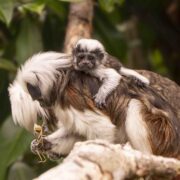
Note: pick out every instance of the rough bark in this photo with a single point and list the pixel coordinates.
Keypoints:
(100, 160)
(79, 23)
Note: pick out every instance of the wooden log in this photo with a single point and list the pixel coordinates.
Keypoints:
(99, 160)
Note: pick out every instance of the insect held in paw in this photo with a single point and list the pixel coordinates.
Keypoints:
(39, 134)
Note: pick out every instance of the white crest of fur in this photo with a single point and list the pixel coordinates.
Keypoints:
(40, 69)
(90, 44)
(24, 110)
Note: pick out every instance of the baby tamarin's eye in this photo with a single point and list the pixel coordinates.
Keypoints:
(90, 57)
(81, 56)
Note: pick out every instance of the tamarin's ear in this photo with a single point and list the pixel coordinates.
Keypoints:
(101, 55)
(34, 91)
(73, 51)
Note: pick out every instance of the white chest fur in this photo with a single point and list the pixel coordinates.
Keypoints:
(136, 127)
(91, 124)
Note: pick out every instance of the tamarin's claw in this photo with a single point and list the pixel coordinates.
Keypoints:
(100, 102)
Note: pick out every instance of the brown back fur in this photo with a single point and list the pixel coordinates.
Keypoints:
(161, 118)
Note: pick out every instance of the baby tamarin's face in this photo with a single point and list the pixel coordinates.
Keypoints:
(87, 54)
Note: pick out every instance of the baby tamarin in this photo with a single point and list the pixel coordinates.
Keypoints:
(89, 56)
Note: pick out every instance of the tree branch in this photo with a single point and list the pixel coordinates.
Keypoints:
(79, 23)
(100, 160)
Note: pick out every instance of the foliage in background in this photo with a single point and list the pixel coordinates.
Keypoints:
(133, 30)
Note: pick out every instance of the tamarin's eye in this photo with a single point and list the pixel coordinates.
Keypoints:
(81, 56)
(90, 57)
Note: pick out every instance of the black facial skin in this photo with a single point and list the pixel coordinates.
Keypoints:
(87, 60)
(35, 93)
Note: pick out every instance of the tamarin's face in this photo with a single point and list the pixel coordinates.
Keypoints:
(87, 55)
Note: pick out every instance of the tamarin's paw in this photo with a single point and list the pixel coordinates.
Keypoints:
(40, 146)
(100, 101)
(139, 83)
(45, 148)
(54, 156)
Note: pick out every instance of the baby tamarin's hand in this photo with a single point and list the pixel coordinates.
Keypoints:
(100, 101)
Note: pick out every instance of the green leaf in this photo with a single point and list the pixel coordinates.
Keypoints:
(2, 16)
(58, 8)
(14, 142)
(6, 10)
(7, 65)
(36, 6)
(71, 0)
(107, 33)
(21, 171)
(28, 41)
(157, 62)
(107, 5)
(120, 2)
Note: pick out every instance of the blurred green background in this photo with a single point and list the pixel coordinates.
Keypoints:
(143, 34)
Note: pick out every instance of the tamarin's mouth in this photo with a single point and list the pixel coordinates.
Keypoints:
(85, 65)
